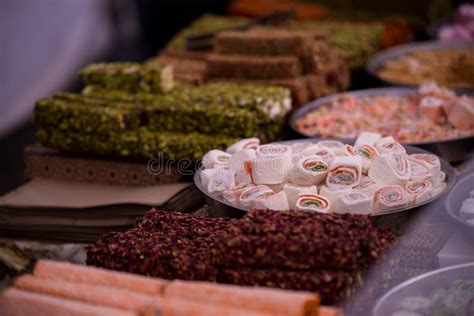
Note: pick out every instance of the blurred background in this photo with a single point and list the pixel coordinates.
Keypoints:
(43, 44)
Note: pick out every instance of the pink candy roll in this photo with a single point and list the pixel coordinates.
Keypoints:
(367, 186)
(368, 153)
(345, 172)
(390, 168)
(418, 171)
(246, 143)
(276, 202)
(391, 147)
(430, 161)
(336, 146)
(216, 159)
(313, 203)
(326, 154)
(248, 195)
(293, 191)
(392, 197)
(418, 191)
(355, 203)
(462, 114)
(432, 108)
(231, 196)
(308, 171)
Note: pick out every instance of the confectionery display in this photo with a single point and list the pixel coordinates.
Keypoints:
(374, 176)
(170, 179)
(432, 113)
(449, 67)
(265, 248)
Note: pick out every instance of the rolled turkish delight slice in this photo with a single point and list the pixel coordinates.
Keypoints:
(308, 171)
(384, 140)
(312, 203)
(326, 154)
(132, 77)
(333, 194)
(389, 198)
(293, 191)
(367, 138)
(355, 203)
(248, 196)
(368, 153)
(311, 150)
(272, 164)
(367, 186)
(430, 161)
(418, 191)
(216, 159)
(238, 160)
(231, 196)
(336, 146)
(248, 143)
(462, 114)
(276, 202)
(218, 180)
(391, 147)
(432, 108)
(390, 168)
(345, 171)
(418, 171)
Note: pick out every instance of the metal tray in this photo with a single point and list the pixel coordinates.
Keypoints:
(391, 219)
(423, 285)
(379, 59)
(454, 200)
(456, 149)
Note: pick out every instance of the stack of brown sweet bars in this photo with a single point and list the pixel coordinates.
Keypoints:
(299, 60)
(302, 61)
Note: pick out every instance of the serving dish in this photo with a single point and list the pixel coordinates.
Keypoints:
(378, 60)
(454, 200)
(422, 286)
(393, 219)
(456, 149)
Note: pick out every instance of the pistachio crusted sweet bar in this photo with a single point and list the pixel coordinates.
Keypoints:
(128, 76)
(141, 143)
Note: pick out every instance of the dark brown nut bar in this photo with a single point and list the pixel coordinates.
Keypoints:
(251, 67)
(263, 42)
(296, 240)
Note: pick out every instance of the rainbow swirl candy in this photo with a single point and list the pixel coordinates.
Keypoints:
(315, 165)
(313, 203)
(343, 175)
(366, 151)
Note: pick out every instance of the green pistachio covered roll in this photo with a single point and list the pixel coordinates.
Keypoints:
(131, 77)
